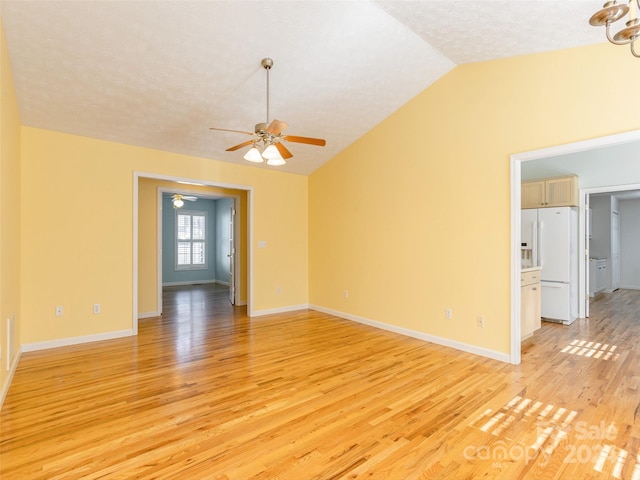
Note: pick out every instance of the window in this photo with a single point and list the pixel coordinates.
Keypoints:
(191, 240)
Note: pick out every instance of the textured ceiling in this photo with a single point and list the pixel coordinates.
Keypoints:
(159, 73)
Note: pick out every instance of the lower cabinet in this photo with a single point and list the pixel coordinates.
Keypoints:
(530, 303)
(597, 275)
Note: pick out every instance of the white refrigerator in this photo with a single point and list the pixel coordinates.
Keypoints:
(549, 239)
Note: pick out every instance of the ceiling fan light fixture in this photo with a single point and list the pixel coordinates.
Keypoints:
(276, 162)
(271, 152)
(177, 202)
(253, 155)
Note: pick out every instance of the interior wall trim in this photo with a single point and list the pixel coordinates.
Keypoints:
(271, 311)
(4, 389)
(65, 342)
(192, 282)
(445, 342)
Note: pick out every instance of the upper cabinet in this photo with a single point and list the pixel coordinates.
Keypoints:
(533, 194)
(550, 192)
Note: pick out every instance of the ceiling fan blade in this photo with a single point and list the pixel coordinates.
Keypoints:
(230, 130)
(191, 198)
(276, 127)
(243, 144)
(284, 153)
(311, 141)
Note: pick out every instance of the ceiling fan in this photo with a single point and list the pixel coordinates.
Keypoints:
(178, 199)
(269, 136)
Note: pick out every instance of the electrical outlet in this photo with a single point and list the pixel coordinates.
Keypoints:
(480, 322)
(96, 308)
(278, 290)
(59, 311)
(346, 294)
(448, 313)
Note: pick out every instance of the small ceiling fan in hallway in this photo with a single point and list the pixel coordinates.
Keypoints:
(178, 199)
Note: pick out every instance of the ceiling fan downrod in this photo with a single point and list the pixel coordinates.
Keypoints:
(267, 63)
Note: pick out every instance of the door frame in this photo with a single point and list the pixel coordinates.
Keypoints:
(137, 175)
(615, 270)
(586, 216)
(584, 193)
(234, 284)
(204, 195)
(516, 160)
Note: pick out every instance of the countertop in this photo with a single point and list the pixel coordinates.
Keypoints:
(530, 269)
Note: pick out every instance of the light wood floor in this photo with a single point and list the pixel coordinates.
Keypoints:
(206, 393)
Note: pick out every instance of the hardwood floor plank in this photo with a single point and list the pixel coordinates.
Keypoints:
(206, 392)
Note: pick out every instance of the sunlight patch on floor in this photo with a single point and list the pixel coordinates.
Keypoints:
(552, 428)
(617, 457)
(600, 351)
(549, 423)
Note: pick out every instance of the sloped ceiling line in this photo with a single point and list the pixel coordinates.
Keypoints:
(161, 78)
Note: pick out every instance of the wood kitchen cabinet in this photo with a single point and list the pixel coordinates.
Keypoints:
(550, 192)
(530, 303)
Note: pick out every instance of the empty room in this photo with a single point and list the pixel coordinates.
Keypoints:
(319, 239)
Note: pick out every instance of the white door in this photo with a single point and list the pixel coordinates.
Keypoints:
(554, 233)
(232, 255)
(615, 250)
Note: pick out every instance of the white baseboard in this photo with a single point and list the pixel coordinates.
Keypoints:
(65, 342)
(630, 287)
(465, 347)
(194, 282)
(188, 282)
(143, 315)
(270, 311)
(7, 382)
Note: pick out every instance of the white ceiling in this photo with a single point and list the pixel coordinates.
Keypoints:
(612, 165)
(615, 166)
(158, 74)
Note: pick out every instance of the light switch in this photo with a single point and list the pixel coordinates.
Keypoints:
(262, 244)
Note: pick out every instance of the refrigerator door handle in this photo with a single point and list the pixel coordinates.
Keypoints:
(538, 236)
(534, 240)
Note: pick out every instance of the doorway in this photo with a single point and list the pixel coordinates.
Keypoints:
(614, 215)
(147, 271)
(218, 254)
(585, 154)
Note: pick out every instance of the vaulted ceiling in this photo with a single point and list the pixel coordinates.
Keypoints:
(158, 74)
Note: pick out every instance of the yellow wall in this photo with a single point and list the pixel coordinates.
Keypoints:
(77, 225)
(147, 247)
(9, 210)
(411, 219)
(148, 238)
(414, 217)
